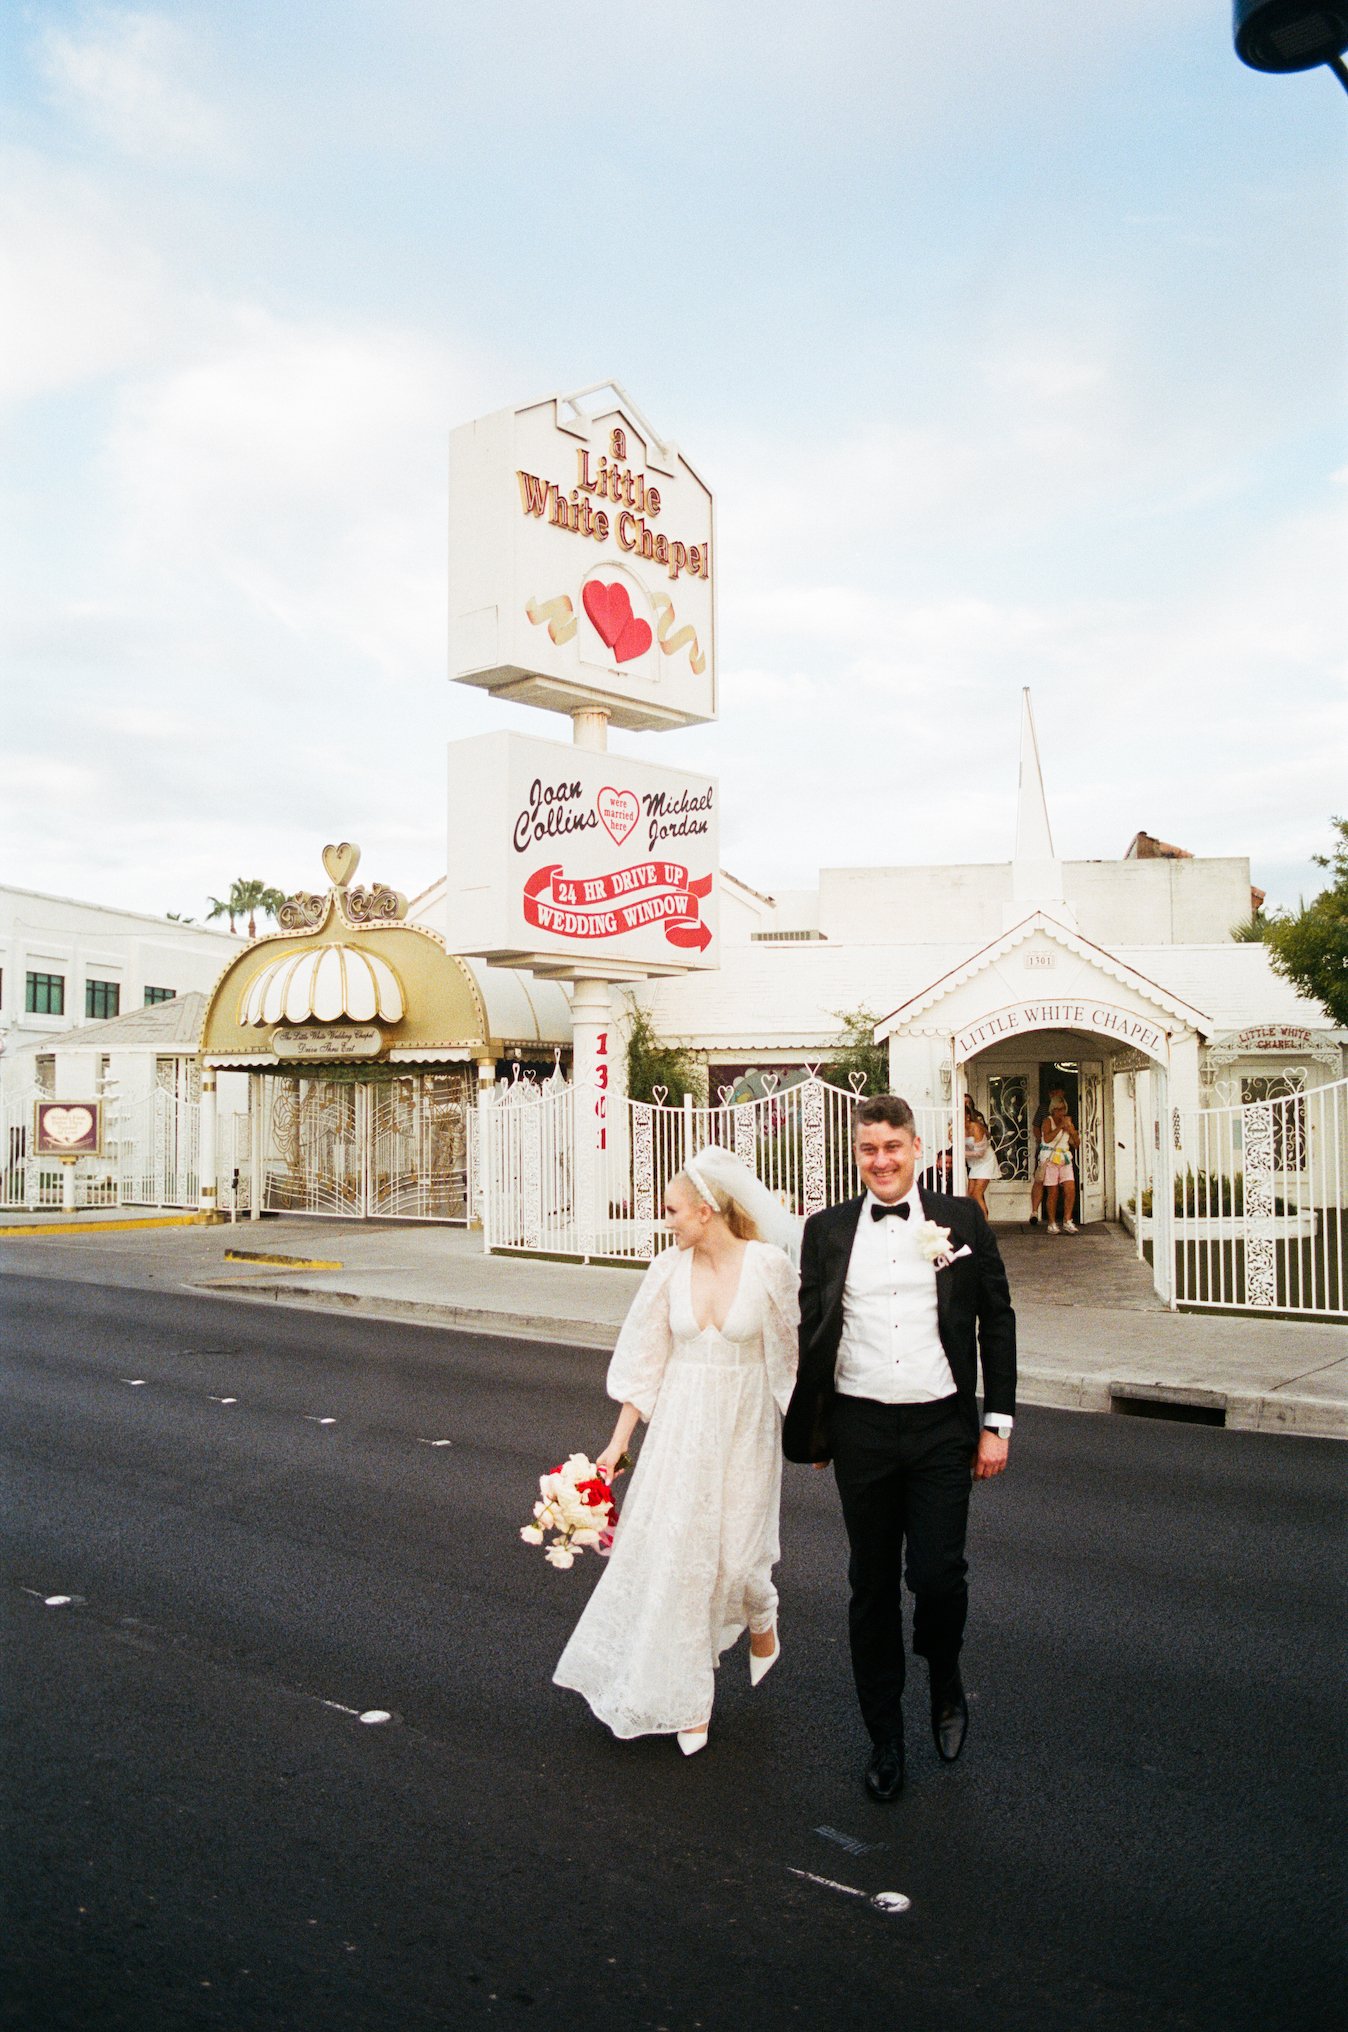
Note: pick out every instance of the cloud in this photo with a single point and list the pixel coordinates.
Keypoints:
(126, 74)
(298, 467)
(84, 297)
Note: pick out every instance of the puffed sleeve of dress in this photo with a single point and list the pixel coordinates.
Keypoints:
(781, 1321)
(638, 1364)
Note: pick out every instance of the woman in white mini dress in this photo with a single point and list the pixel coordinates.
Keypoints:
(707, 1356)
(980, 1159)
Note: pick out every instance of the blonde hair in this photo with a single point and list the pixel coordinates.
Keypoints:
(740, 1224)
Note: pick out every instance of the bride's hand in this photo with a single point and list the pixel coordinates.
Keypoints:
(608, 1462)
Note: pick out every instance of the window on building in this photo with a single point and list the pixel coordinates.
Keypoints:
(45, 1073)
(102, 998)
(153, 995)
(46, 995)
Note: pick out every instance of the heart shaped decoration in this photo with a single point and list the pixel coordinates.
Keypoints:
(771, 1081)
(618, 811)
(341, 863)
(856, 1080)
(610, 609)
(67, 1126)
(813, 1071)
(661, 1095)
(725, 1093)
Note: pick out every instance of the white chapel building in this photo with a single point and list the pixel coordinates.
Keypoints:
(1118, 980)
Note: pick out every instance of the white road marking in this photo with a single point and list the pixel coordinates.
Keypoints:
(373, 1716)
(883, 1901)
(134, 1382)
(848, 1841)
(435, 1442)
(224, 1400)
(310, 1418)
(338, 1708)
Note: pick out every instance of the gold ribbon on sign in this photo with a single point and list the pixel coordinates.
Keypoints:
(559, 614)
(671, 644)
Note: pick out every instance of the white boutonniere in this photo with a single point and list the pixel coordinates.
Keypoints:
(934, 1241)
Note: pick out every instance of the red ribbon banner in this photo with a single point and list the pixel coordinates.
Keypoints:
(608, 906)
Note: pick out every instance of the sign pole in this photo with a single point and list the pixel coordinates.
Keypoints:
(591, 1031)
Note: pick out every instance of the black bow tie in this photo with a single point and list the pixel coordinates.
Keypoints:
(879, 1210)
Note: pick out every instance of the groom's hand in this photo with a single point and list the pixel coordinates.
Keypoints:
(990, 1458)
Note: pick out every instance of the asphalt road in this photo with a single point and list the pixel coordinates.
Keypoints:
(1145, 1830)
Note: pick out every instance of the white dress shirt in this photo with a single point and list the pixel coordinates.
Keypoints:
(890, 1348)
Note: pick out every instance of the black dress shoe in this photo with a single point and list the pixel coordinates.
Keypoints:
(949, 1717)
(884, 1773)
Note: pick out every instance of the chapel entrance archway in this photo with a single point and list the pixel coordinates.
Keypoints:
(1011, 1084)
(1122, 1111)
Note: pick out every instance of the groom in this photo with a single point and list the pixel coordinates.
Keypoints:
(901, 1291)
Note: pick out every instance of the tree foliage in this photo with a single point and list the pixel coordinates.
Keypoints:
(860, 1053)
(1310, 948)
(652, 1064)
(246, 899)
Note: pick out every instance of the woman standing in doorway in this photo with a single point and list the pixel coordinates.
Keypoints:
(980, 1160)
(1058, 1143)
(707, 1355)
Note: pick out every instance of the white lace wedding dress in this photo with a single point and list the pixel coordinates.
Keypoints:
(697, 1537)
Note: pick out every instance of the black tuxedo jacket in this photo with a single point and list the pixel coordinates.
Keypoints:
(973, 1313)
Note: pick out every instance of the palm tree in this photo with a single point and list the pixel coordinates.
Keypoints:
(245, 899)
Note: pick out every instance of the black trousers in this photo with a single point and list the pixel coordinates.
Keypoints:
(904, 1474)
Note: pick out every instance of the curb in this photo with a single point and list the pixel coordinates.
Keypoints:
(577, 1333)
(1237, 1410)
(34, 1230)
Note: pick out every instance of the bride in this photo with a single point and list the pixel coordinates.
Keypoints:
(707, 1355)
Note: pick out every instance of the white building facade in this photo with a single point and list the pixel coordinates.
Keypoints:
(64, 963)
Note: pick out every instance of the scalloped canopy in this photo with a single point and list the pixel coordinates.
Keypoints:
(323, 985)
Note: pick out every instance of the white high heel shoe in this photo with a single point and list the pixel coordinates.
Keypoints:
(690, 1741)
(758, 1667)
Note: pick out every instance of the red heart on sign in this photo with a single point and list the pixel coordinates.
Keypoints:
(611, 612)
(619, 810)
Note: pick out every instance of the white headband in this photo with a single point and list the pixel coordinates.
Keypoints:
(690, 1170)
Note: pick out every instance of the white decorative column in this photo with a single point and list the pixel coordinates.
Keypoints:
(207, 1123)
(257, 1129)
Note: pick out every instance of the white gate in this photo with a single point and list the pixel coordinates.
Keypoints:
(149, 1156)
(535, 1196)
(27, 1181)
(389, 1150)
(1259, 1204)
(152, 1146)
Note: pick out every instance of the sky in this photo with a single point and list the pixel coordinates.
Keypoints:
(1011, 340)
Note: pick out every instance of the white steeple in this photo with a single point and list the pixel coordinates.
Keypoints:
(1036, 871)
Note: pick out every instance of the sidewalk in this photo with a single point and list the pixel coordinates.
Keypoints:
(1092, 1335)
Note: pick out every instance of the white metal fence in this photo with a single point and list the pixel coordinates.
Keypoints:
(542, 1189)
(1259, 1204)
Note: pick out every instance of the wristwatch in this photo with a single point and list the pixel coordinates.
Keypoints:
(1001, 1426)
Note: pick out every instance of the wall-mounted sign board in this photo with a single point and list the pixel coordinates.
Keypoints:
(582, 564)
(580, 864)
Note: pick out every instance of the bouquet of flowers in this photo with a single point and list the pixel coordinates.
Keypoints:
(576, 1505)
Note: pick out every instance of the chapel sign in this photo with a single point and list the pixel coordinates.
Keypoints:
(1131, 1030)
(573, 861)
(582, 562)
